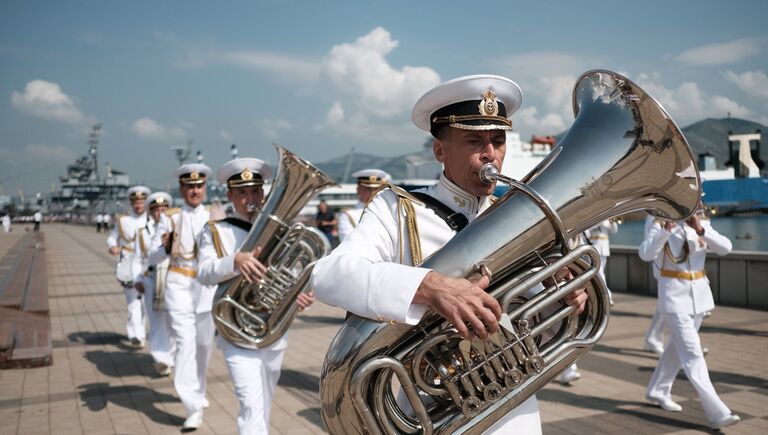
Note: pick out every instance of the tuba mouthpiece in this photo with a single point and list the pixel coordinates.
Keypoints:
(488, 173)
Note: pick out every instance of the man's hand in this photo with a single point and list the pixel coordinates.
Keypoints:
(247, 264)
(304, 300)
(167, 240)
(114, 250)
(461, 302)
(139, 286)
(695, 223)
(578, 297)
(668, 225)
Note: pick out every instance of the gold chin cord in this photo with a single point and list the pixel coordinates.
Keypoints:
(622, 154)
(255, 315)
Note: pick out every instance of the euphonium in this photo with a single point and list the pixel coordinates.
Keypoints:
(255, 315)
(622, 154)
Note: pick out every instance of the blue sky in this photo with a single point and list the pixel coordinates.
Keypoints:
(323, 77)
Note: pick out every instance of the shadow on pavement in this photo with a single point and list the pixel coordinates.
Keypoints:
(329, 320)
(120, 364)
(313, 416)
(619, 313)
(732, 331)
(89, 338)
(96, 396)
(636, 352)
(301, 380)
(650, 417)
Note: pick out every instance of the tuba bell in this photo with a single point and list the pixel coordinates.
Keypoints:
(255, 315)
(623, 153)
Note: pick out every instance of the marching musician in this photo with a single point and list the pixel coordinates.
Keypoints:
(146, 279)
(374, 273)
(253, 372)
(368, 180)
(121, 243)
(599, 237)
(679, 250)
(188, 302)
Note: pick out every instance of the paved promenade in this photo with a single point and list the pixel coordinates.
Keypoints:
(98, 385)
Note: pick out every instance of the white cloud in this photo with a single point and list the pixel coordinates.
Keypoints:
(724, 52)
(751, 82)
(148, 128)
(271, 128)
(47, 153)
(549, 123)
(36, 156)
(361, 72)
(335, 114)
(46, 100)
(688, 103)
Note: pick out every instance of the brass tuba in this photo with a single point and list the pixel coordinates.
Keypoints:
(622, 154)
(255, 315)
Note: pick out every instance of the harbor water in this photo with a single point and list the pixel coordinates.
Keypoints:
(746, 233)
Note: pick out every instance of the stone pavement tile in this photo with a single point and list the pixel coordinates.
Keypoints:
(108, 383)
(10, 420)
(747, 402)
(63, 417)
(33, 419)
(128, 425)
(749, 426)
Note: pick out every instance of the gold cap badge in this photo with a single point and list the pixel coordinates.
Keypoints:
(488, 105)
(194, 175)
(246, 174)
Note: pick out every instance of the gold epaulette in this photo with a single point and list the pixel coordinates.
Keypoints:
(120, 232)
(405, 204)
(216, 238)
(172, 211)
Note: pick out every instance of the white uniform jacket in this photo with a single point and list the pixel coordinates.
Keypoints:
(684, 286)
(599, 234)
(123, 235)
(371, 272)
(182, 290)
(142, 246)
(347, 220)
(219, 243)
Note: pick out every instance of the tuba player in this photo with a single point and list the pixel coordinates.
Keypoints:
(374, 272)
(253, 372)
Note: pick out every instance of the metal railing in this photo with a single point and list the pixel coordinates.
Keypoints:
(739, 279)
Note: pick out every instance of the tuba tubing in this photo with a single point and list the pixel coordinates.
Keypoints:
(622, 154)
(255, 315)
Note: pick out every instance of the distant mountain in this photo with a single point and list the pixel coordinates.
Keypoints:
(709, 135)
(336, 168)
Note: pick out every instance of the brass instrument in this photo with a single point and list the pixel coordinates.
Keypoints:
(161, 271)
(255, 315)
(622, 154)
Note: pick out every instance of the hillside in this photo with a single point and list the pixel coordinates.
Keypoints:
(709, 135)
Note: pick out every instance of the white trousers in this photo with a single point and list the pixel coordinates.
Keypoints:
(135, 324)
(684, 351)
(254, 374)
(603, 262)
(161, 344)
(654, 337)
(568, 371)
(193, 335)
